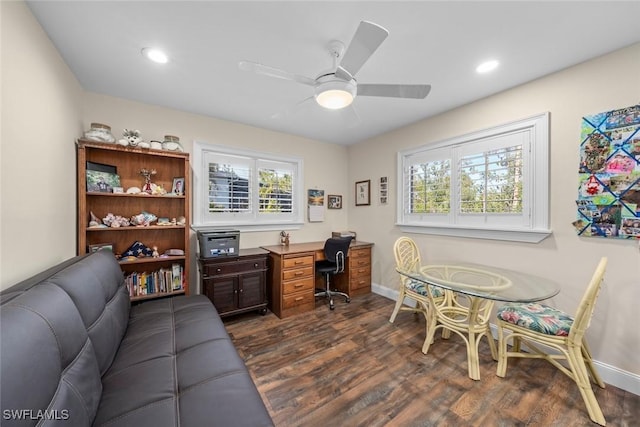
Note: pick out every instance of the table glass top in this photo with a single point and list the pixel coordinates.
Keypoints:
(484, 281)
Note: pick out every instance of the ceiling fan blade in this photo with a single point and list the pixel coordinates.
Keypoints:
(287, 112)
(367, 39)
(258, 68)
(394, 91)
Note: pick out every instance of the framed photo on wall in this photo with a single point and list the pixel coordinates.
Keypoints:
(335, 201)
(363, 193)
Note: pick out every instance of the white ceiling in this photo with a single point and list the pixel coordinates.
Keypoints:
(434, 42)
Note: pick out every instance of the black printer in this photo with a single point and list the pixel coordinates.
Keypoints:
(214, 243)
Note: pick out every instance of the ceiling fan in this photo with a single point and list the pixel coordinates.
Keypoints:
(338, 87)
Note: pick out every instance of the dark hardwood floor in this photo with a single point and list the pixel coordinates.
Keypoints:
(351, 367)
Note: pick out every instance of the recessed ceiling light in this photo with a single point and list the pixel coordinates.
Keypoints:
(155, 55)
(487, 66)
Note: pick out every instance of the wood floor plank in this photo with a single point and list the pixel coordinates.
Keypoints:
(351, 367)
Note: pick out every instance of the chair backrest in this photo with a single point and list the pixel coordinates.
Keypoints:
(336, 250)
(407, 254)
(582, 318)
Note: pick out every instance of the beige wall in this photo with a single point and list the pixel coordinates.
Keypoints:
(40, 118)
(609, 82)
(325, 165)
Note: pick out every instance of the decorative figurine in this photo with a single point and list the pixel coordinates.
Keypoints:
(147, 173)
(132, 138)
(155, 253)
(284, 238)
(95, 221)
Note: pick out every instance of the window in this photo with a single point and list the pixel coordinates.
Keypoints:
(489, 184)
(245, 189)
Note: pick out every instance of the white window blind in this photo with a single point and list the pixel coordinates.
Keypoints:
(246, 189)
(490, 184)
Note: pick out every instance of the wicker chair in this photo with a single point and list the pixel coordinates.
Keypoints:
(408, 258)
(535, 323)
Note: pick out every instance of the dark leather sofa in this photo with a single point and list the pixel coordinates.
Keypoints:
(74, 352)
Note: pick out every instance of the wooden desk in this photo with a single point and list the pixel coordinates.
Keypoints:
(292, 279)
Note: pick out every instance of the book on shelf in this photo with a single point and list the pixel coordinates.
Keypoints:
(164, 280)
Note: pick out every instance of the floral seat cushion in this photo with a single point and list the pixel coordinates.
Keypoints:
(420, 288)
(537, 317)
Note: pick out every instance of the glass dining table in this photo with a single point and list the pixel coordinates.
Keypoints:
(470, 291)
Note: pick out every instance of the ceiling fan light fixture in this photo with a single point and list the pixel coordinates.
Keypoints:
(335, 94)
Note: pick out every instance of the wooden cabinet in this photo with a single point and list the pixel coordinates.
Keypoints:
(359, 271)
(236, 284)
(294, 276)
(128, 162)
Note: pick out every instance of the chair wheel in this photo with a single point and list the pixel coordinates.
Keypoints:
(332, 307)
(348, 299)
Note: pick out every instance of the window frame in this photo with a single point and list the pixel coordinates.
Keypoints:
(535, 216)
(253, 221)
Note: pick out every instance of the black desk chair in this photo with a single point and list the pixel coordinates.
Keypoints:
(336, 250)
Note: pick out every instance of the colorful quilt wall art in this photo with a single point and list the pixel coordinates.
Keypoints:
(608, 200)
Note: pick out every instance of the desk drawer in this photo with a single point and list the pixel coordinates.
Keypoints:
(359, 271)
(298, 262)
(360, 253)
(293, 286)
(360, 282)
(299, 299)
(358, 263)
(234, 267)
(297, 273)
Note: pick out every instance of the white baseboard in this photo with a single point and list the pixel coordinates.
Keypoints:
(610, 374)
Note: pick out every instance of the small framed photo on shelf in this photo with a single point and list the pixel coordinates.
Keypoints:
(101, 182)
(178, 186)
(101, 246)
(363, 193)
(334, 201)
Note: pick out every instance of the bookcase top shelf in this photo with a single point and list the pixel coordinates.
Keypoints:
(83, 143)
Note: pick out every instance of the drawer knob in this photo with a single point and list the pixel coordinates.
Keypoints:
(299, 273)
(299, 298)
(255, 265)
(299, 262)
(218, 270)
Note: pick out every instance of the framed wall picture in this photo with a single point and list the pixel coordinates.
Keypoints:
(363, 193)
(383, 190)
(178, 186)
(335, 201)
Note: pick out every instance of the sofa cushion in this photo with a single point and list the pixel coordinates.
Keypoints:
(177, 366)
(96, 286)
(47, 359)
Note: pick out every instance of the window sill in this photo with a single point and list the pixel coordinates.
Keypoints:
(513, 235)
(248, 227)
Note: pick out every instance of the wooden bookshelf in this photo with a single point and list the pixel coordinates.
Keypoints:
(129, 161)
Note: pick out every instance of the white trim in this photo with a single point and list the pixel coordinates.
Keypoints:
(611, 375)
(516, 235)
(198, 165)
(535, 217)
